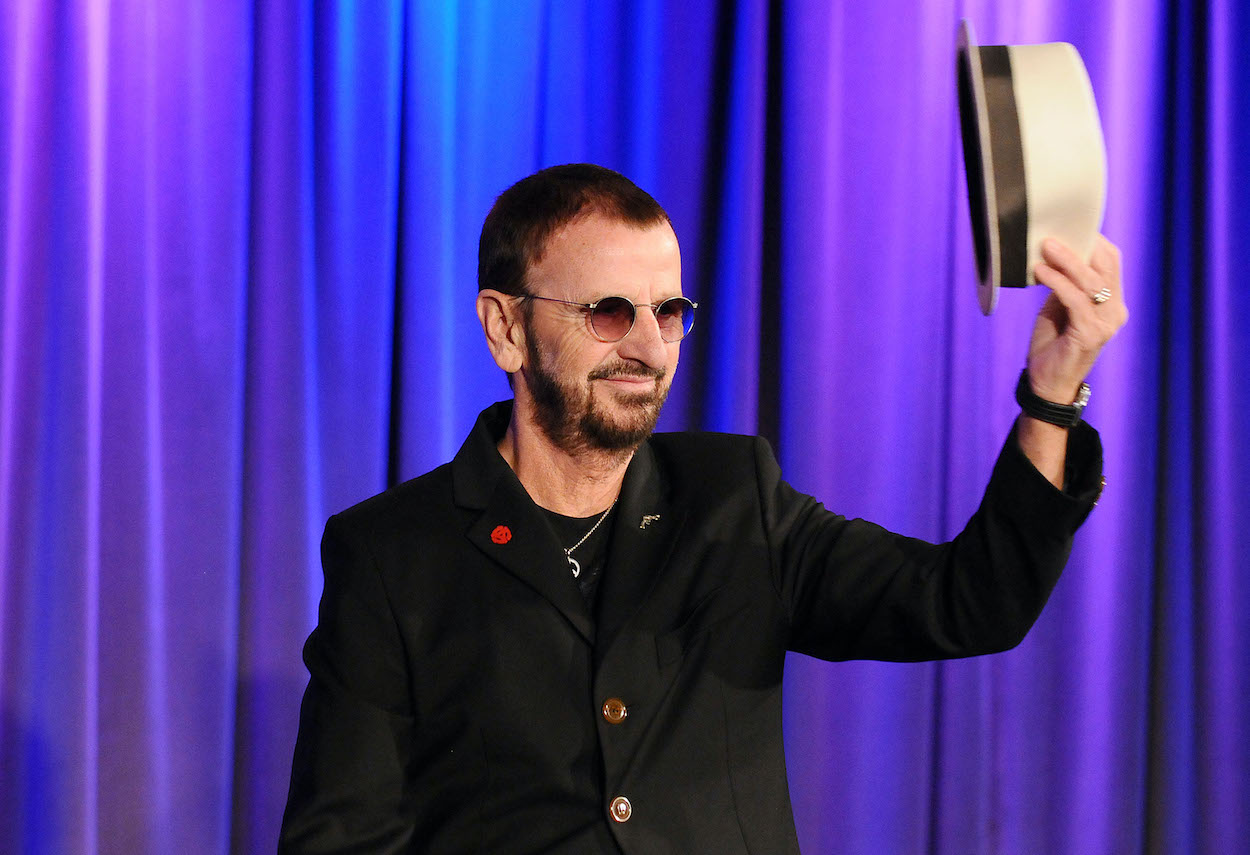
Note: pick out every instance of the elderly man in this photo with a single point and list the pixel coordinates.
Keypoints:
(571, 638)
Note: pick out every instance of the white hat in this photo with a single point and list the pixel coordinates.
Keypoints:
(1033, 153)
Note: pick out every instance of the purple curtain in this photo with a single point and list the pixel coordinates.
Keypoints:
(237, 259)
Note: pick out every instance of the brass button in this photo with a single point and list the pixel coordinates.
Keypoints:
(614, 710)
(621, 809)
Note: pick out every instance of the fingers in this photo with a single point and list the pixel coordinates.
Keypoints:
(1067, 291)
(1088, 277)
(1106, 259)
(1102, 273)
(1061, 273)
(1091, 293)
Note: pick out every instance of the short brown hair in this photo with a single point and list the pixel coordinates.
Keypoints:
(525, 215)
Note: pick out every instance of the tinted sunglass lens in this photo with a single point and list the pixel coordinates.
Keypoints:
(612, 318)
(675, 317)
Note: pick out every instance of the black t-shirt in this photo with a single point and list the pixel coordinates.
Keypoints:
(591, 555)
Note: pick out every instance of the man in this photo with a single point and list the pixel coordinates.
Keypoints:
(571, 638)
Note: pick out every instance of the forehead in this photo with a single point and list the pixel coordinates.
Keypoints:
(595, 252)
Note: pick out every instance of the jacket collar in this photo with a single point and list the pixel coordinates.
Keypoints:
(511, 530)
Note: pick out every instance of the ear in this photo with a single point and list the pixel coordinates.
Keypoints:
(500, 316)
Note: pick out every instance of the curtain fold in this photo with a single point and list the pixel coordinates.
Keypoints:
(238, 252)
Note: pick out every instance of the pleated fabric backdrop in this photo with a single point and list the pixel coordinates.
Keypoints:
(238, 247)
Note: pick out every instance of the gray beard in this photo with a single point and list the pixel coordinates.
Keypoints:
(578, 425)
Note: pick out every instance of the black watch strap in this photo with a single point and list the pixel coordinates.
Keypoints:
(1064, 415)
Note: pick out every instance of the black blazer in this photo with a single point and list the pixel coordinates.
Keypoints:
(459, 684)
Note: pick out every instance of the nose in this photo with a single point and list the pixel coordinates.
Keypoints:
(644, 343)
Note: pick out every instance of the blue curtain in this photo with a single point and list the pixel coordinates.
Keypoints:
(238, 248)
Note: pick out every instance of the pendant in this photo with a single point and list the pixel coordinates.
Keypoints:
(573, 565)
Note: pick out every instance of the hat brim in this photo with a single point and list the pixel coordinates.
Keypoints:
(974, 124)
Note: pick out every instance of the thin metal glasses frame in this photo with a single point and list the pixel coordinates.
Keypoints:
(654, 307)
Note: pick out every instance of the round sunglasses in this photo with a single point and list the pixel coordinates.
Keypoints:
(612, 318)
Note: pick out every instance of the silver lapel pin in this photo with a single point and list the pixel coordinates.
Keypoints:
(648, 519)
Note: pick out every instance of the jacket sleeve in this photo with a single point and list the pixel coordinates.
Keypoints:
(348, 783)
(856, 591)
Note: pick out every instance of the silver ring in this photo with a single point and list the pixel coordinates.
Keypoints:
(1100, 296)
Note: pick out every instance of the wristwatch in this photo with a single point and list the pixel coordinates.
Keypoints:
(1064, 415)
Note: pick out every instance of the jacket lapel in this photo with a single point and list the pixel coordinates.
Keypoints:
(511, 530)
(647, 527)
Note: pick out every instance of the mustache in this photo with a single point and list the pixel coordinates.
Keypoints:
(627, 369)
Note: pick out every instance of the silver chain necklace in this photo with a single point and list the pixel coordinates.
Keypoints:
(568, 553)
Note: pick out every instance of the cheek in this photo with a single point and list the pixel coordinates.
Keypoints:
(573, 358)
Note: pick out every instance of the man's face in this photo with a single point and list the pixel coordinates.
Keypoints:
(589, 394)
